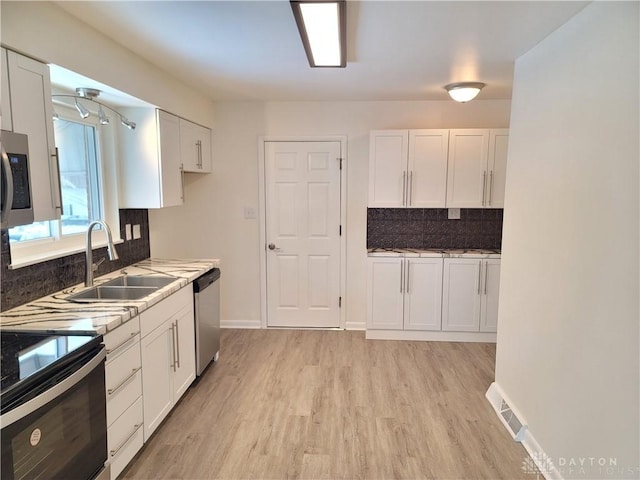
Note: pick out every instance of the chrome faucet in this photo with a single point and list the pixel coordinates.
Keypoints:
(90, 267)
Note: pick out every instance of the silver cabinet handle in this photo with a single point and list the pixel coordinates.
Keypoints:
(177, 345)
(408, 284)
(484, 186)
(136, 427)
(490, 187)
(173, 347)
(479, 278)
(182, 182)
(59, 199)
(410, 202)
(486, 273)
(401, 274)
(112, 391)
(122, 343)
(199, 153)
(404, 188)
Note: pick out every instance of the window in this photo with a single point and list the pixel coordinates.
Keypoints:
(84, 190)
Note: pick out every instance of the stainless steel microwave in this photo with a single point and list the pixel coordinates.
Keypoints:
(16, 198)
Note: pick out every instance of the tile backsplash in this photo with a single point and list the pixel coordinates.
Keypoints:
(430, 228)
(34, 281)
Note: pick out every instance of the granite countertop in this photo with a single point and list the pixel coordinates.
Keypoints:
(56, 313)
(434, 252)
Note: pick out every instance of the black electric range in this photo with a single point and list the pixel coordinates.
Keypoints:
(31, 360)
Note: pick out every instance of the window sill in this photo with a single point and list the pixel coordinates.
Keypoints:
(26, 260)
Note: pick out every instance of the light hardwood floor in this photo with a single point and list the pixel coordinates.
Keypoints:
(332, 405)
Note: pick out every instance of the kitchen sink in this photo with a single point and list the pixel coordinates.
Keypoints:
(112, 294)
(139, 281)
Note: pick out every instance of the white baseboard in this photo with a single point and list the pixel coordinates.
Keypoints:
(537, 455)
(240, 324)
(355, 326)
(432, 336)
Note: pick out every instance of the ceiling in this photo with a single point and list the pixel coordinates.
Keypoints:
(396, 50)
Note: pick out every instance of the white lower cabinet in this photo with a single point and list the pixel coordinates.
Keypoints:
(168, 356)
(470, 294)
(123, 384)
(404, 293)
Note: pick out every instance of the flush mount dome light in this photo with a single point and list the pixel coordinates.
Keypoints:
(464, 91)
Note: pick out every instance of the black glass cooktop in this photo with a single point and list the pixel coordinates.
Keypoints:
(30, 357)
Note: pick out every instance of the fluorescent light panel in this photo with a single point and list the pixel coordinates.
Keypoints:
(321, 25)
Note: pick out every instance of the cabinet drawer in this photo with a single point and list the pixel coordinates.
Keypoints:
(118, 340)
(155, 316)
(123, 382)
(125, 438)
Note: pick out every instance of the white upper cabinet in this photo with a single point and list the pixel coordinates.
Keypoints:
(427, 168)
(195, 147)
(408, 168)
(388, 168)
(497, 163)
(477, 168)
(150, 168)
(5, 103)
(437, 168)
(467, 175)
(27, 108)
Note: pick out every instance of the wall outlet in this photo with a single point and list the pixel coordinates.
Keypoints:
(453, 214)
(136, 232)
(127, 231)
(250, 213)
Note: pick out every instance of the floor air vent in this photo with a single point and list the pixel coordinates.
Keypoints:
(508, 417)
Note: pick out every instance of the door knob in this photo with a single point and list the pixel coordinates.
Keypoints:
(272, 246)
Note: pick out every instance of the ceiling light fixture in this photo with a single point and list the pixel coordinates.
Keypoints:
(464, 91)
(82, 110)
(90, 94)
(323, 29)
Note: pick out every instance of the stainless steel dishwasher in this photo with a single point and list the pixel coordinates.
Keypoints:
(206, 294)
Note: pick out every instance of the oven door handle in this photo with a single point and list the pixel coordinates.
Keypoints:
(51, 394)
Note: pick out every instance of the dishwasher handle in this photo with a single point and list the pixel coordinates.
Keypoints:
(206, 279)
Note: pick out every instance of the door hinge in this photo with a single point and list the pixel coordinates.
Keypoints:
(339, 302)
(340, 160)
(340, 230)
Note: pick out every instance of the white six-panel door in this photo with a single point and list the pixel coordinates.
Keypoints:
(302, 190)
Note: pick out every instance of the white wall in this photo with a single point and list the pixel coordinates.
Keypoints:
(567, 355)
(44, 31)
(219, 198)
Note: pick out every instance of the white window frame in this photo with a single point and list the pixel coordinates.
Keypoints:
(36, 251)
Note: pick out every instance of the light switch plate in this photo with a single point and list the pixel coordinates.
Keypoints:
(136, 231)
(453, 214)
(249, 213)
(127, 231)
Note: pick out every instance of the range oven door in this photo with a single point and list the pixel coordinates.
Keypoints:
(60, 433)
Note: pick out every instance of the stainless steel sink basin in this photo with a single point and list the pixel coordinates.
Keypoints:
(139, 281)
(112, 294)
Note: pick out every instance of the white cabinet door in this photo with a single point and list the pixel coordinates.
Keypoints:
(490, 291)
(195, 147)
(427, 184)
(388, 168)
(385, 293)
(170, 166)
(467, 168)
(423, 294)
(150, 170)
(185, 351)
(461, 295)
(498, 145)
(32, 114)
(157, 371)
(5, 103)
